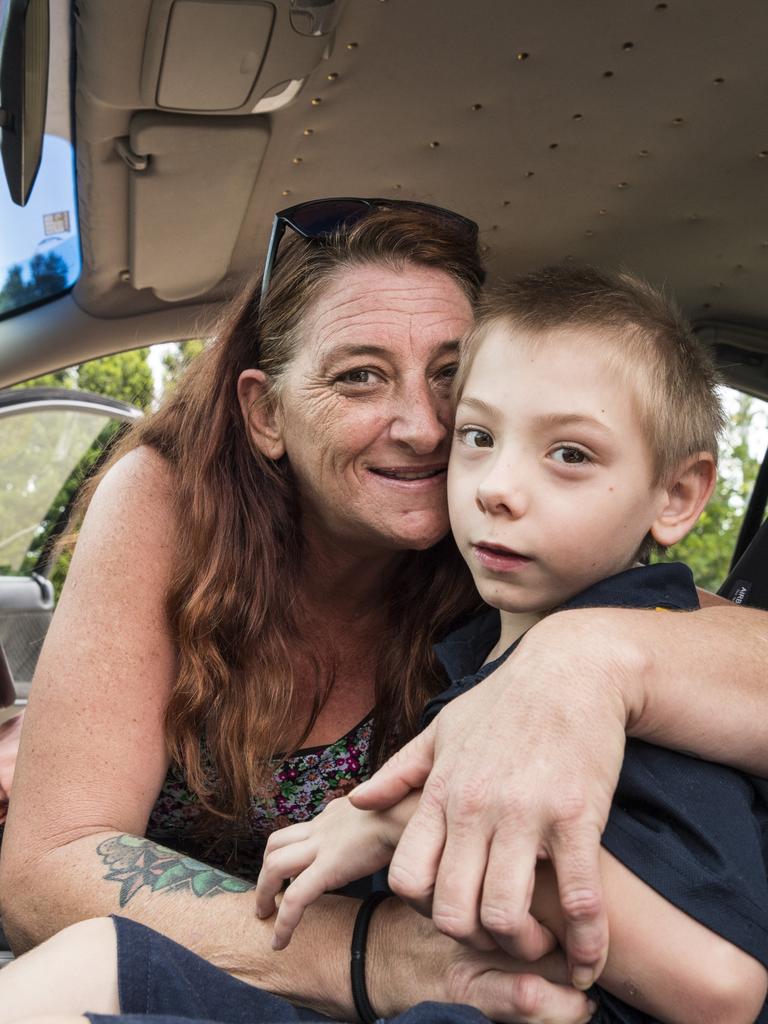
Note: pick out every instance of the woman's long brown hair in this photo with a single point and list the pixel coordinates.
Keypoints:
(231, 600)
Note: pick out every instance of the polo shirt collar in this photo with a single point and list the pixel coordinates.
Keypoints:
(665, 585)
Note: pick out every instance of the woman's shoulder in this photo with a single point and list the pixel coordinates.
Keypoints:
(142, 477)
(133, 502)
(141, 468)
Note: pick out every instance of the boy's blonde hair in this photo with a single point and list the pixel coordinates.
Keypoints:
(667, 371)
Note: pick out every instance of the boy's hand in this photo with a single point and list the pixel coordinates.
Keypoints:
(338, 846)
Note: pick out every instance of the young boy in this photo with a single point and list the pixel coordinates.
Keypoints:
(586, 435)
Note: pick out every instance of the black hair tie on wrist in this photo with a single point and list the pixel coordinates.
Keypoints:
(363, 1007)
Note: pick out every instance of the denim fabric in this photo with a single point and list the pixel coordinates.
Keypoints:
(161, 982)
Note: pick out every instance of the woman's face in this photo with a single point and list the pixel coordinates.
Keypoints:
(365, 411)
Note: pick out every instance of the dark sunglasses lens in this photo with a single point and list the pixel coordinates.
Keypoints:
(315, 219)
(456, 219)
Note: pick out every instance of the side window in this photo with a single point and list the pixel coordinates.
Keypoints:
(50, 440)
(709, 547)
(55, 432)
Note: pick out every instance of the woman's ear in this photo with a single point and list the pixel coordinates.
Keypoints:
(685, 499)
(260, 413)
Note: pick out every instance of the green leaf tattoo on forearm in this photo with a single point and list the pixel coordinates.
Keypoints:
(136, 863)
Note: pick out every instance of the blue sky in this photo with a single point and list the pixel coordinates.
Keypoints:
(22, 229)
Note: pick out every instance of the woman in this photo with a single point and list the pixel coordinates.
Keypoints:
(281, 520)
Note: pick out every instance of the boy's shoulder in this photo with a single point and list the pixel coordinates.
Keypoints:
(668, 586)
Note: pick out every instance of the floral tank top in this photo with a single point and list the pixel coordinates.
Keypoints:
(300, 788)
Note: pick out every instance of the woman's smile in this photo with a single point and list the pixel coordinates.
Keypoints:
(412, 478)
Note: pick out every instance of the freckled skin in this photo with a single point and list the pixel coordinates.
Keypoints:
(344, 415)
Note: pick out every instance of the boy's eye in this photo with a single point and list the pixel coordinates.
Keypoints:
(569, 456)
(474, 437)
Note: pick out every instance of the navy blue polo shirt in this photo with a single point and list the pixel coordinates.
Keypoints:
(695, 832)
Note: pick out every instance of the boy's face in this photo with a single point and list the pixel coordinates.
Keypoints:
(550, 480)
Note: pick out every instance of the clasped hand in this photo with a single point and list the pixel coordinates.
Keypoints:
(343, 843)
(522, 767)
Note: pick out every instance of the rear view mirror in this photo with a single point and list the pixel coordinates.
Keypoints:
(23, 93)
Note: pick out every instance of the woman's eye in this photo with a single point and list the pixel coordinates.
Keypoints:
(474, 437)
(446, 374)
(569, 456)
(360, 376)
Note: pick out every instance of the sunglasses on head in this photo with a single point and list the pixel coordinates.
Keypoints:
(319, 218)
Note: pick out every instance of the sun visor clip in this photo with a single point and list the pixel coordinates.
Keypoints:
(135, 161)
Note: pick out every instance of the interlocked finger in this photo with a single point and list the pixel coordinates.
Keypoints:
(417, 856)
(507, 893)
(290, 834)
(456, 900)
(279, 865)
(527, 999)
(303, 890)
(405, 771)
(575, 854)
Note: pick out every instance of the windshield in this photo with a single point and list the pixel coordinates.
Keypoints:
(39, 244)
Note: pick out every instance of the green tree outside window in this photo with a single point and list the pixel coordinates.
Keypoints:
(708, 547)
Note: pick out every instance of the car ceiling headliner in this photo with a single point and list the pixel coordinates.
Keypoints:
(660, 166)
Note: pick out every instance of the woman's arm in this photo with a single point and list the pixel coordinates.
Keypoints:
(661, 960)
(93, 758)
(528, 762)
(408, 962)
(699, 681)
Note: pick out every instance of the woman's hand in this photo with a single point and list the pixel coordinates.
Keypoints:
(10, 732)
(408, 961)
(523, 766)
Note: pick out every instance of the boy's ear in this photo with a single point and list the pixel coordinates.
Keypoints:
(685, 499)
(262, 420)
